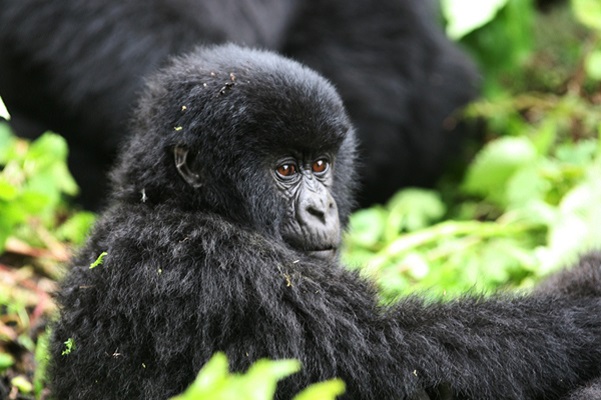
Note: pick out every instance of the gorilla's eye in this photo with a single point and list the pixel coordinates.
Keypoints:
(286, 170)
(320, 166)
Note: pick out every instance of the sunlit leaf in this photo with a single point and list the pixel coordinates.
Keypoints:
(3, 111)
(463, 16)
(367, 226)
(76, 228)
(328, 390)
(495, 165)
(593, 65)
(6, 360)
(412, 209)
(588, 12)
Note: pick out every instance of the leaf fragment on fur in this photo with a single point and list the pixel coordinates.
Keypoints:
(99, 260)
(69, 346)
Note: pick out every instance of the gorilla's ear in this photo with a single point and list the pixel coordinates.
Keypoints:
(192, 178)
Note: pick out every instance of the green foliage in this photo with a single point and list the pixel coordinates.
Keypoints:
(491, 170)
(529, 200)
(528, 214)
(33, 183)
(503, 40)
(259, 383)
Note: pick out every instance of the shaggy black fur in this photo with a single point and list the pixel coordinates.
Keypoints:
(191, 271)
(75, 66)
(583, 281)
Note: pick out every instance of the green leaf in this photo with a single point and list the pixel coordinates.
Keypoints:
(99, 260)
(262, 377)
(7, 141)
(463, 16)
(327, 390)
(8, 191)
(48, 149)
(588, 12)
(593, 65)
(6, 360)
(527, 185)
(215, 381)
(413, 209)
(76, 228)
(367, 226)
(496, 163)
(3, 111)
(212, 376)
(21, 383)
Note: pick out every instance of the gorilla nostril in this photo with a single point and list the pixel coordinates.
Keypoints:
(317, 212)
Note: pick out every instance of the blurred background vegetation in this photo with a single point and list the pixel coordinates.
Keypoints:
(524, 199)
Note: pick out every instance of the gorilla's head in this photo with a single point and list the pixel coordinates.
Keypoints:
(250, 136)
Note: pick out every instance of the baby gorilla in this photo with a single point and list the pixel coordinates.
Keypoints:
(222, 233)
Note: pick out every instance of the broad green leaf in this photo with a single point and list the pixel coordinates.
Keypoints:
(593, 65)
(76, 228)
(527, 185)
(328, 390)
(8, 191)
(464, 16)
(496, 164)
(210, 378)
(6, 360)
(47, 149)
(262, 377)
(588, 12)
(367, 226)
(22, 383)
(412, 209)
(214, 381)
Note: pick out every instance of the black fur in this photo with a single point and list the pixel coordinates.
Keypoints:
(191, 271)
(75, 66)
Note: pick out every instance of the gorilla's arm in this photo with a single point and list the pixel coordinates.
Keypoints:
(584, 279)
(591, 391)
(169, 304)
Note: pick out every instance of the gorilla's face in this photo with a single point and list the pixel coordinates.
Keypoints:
(312, 224)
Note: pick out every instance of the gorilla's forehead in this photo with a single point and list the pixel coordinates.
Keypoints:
(253, 97)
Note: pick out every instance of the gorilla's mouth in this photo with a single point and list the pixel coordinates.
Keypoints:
(323, 254)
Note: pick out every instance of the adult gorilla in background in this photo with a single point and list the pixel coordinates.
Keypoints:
(75, 66)
(222, 233)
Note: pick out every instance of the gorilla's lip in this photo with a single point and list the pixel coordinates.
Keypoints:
(323, 254)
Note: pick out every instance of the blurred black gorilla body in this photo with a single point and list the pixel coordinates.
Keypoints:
(76, 66)
(221, 235)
